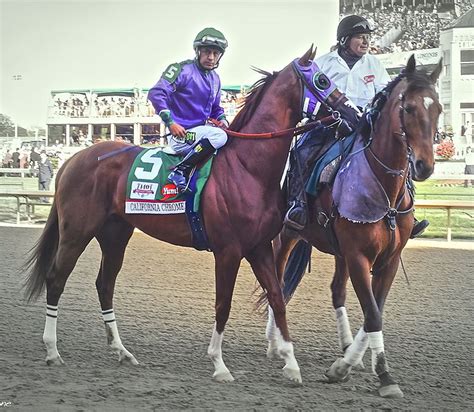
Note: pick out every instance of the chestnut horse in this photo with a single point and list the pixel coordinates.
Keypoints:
(401, 125)
(242, 206)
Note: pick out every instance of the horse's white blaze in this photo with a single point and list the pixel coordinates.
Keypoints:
(427, 102)
(376, 345)
(355, 352)
(215, 353)
(343, 328)
(49, 334)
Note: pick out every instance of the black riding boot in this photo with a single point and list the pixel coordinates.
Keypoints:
(296, 217)
(180, 174)
(419, 227)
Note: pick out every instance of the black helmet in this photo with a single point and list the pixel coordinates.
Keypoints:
(351, 25)
(210, 37)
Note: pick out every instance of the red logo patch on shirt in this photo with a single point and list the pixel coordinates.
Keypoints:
(369, 78)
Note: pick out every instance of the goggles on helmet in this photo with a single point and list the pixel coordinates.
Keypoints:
(365, 25)
(210, 40)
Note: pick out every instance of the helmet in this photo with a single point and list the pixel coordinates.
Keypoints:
(351, 25)
(210, 37)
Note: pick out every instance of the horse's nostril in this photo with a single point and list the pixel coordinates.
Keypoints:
(419, 165)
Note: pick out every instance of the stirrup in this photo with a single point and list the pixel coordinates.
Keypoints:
(293, 224)
(181, 182)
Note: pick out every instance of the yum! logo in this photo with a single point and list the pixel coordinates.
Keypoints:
(168, 191)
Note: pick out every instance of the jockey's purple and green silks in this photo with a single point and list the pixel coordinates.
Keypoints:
(317, 87)
(187, 95)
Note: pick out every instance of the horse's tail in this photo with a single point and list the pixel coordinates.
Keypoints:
(295, 268)
(41, 257)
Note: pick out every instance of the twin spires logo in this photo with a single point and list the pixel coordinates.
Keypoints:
(169, 191)
(143, 190)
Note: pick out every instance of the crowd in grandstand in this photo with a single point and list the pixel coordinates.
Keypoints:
(77, 105)
(416, 27)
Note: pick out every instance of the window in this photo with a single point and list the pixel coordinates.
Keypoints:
(467, 62)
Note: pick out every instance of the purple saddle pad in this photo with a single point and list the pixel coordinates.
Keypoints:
(357, 193)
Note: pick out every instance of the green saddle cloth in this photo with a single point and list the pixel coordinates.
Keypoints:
(149, 192)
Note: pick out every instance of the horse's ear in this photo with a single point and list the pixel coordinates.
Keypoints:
(313, 55)
(305, 59)
(437, 71)
(411, 64)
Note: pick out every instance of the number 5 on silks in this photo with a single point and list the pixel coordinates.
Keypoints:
(141, 173)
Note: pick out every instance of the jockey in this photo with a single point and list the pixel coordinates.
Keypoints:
(360, 76)
(185, 97)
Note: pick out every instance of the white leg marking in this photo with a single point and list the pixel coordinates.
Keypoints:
(291, 369)
(49, 336)
(113, 338)
(270, 332)
(221, 373)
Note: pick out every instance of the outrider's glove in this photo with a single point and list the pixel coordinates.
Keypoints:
(349, 112)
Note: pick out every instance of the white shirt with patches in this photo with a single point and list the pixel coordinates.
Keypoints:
(361, 83)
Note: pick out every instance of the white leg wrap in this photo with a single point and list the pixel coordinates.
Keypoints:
(355, 352)
(343, 328)
(221, 373)
(376, 345)
(49, 334)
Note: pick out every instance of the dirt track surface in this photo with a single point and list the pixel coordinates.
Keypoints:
(164, 303)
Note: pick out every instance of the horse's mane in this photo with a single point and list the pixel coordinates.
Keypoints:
(252, 100)
(417, 80)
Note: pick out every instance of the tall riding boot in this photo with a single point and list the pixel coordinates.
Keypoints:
(180, 174)
(419, 226)
(296, 216)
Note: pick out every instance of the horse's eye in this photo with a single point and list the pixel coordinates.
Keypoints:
(409, 109)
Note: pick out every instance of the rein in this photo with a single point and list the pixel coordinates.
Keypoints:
(293, 131)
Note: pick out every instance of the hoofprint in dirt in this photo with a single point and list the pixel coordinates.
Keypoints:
(164, 305)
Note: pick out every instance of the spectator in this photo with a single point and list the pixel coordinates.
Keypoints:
(16, 158)
(7, 159)
(469, 168)
(468, 134)
(45, 174)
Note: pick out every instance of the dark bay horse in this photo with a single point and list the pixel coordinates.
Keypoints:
(369, 251)
(242, 207)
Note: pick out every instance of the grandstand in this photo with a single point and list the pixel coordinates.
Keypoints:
(81, 117)
(430, 29)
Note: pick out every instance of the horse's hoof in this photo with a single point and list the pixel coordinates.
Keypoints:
(338, 372)
(54, 361)
(293, 375)
(127, 357)
(224, 377)
(390, 391)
